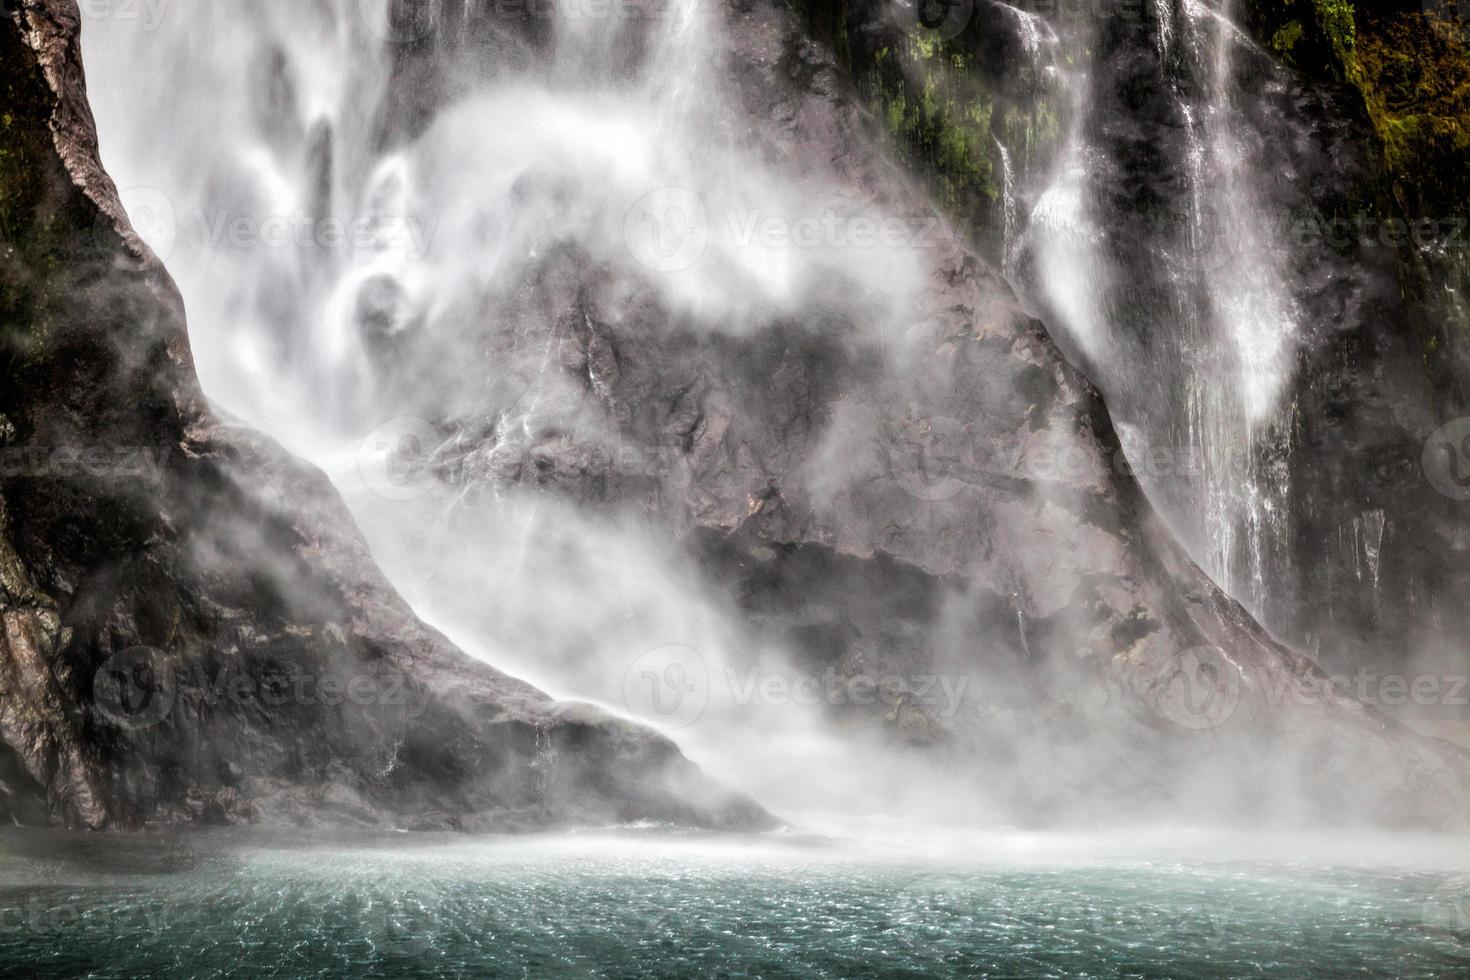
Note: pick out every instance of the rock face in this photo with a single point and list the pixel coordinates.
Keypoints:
(1353, 124)
(193, 629)
(1373, 395)
(935, 490)
(882, 481)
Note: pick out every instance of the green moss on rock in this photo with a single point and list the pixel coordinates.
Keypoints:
(944, 103)
(1412, 69)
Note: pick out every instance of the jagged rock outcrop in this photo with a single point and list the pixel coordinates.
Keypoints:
(193, 629)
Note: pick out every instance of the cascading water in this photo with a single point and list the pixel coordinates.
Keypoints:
(407, 258)
(1009, 209)
(460, 231)
(400, 305)
(1186, 317)
(268, 215)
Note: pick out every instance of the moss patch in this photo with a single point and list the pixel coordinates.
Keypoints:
(945, 102)
(1412, 69)
(31, 249)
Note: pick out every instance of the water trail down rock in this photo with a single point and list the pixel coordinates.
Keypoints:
(1181, 310)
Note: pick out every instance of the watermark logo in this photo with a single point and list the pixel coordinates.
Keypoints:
(926, 911)
(667, 687)
(922, 912)
(1198, 688)
(1449, 911)
(143, 924)
(96, 462)
(401, 21)
(221, 229)
(670, 230)
(1195, 237)
(140, 686)
(932, 458)
(393, 459)
(152, 215)
(668, 464)
(1427, 233)
(935, 20)
(667, 230)
(1446, 459)
(146, 14)
(398, 929)
(939, 694)
(135, 688)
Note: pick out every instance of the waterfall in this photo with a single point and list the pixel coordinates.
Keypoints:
(1032, 29)
(281, 205)
(585, 142)
(1009, 215)
(1164, 14)
(1187, 322)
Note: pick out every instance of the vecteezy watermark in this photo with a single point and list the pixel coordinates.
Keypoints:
(942, 692)
(401, 21)
(670, 687)
(1197, 688)
(146, 14)
(1077, 462)
(932, 458)
(1425, 233)
(1091, 11)
(158, 222)
(151, 213)
(396, 460)
(1200, 688)
(667, 687)
(832, 228)
(935, 20)
(98, 462)
(135, 688)
(680, 12)
(924, 909)
(139, 687)
(239, 231)
(398, 928)
(393, 459)
(1447, 911)
(146, 920)
(1371, 688)
(667, 230)
(668, 463)
(411, 21)
(670, 230)
(1446, 459)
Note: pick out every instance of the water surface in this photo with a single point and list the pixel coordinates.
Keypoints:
(657, 904)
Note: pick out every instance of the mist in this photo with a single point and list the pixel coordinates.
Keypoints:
(453, 254)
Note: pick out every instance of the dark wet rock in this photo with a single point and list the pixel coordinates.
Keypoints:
(193, 629)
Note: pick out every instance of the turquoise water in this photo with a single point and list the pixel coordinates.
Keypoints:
(653, 904)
